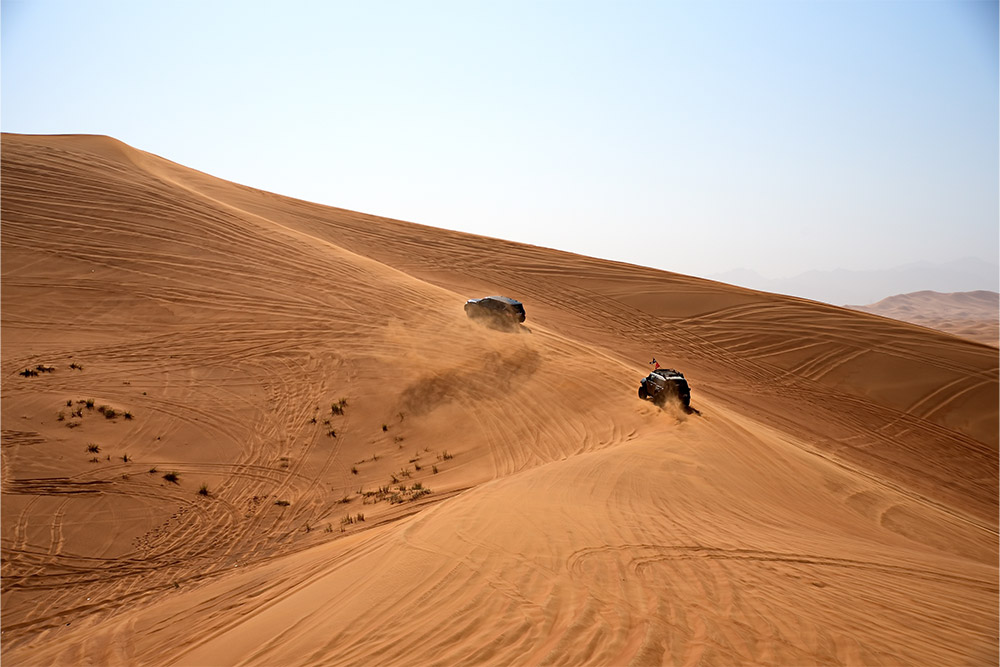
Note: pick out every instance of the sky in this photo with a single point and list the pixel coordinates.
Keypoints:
(699, 137)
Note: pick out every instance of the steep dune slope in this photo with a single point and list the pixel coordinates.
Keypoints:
(229, 338)
(835, 501)
(781, 357)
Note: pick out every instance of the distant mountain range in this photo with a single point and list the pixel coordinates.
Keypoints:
(840, 286)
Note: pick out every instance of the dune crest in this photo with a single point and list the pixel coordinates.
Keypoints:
(971, 315)
(325, 461)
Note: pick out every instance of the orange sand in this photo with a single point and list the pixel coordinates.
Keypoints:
(972, 315)
(834, 502)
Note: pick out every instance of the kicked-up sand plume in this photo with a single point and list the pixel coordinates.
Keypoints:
(263, 431)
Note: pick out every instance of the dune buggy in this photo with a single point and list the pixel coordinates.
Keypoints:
(666, 384)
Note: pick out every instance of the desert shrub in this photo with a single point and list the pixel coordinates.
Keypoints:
(203, 490)
(152, 471)
(125, 458)
(93, 449)
(89, 403)
(172, 477)
(434, 469)
(127, 415)
(282, 503)
(109, 413)
(61, 416)
(385, 427)
(28, 372)
(354, 470)
(69, 403)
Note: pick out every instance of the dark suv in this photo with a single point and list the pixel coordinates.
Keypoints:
(664, 384)
(496, 310)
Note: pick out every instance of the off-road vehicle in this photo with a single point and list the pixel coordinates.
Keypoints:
(666, 384)
(500, 311)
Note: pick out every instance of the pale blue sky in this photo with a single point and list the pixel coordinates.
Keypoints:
(693, 137)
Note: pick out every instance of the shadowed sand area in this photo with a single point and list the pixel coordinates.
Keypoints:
(835, 502)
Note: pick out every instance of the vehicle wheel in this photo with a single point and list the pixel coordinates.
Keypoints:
(642, 392)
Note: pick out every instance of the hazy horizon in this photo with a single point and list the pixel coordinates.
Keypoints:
(776, 137)
(843, 287)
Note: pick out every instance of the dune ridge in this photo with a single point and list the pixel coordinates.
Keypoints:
(835, 501)
(972, 315)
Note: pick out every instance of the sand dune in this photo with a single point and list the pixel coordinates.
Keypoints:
(972, 315)
(834, 502)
